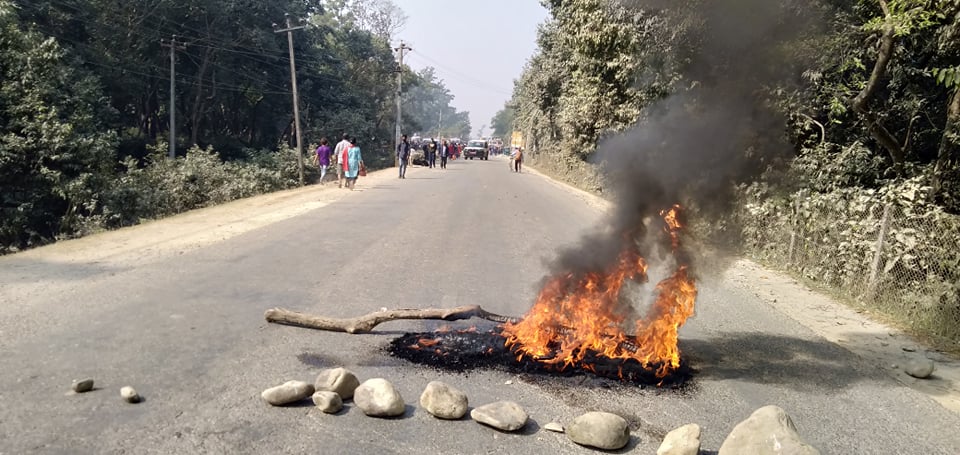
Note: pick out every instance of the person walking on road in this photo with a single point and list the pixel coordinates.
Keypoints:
(444, 151)
(322, 158)
(352, 161)
(403, 155)
(518, 160)
(433, 153)
(338, 151)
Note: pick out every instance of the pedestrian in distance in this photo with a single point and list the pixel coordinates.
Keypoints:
(518, 160)
(339, 150)
(403, 155)
(444, 151)
(322, 158)
(352, 162)
(433, 153)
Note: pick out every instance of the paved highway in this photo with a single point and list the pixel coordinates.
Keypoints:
(184, 326)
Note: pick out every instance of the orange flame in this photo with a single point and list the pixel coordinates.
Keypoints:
(578, 314)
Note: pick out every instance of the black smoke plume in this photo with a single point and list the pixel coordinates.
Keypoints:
(717, 129)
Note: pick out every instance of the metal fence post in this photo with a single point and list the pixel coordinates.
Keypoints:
(793, 231)
(878, 254)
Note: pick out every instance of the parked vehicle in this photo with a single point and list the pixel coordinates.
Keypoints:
(477, 149)
(417, 157)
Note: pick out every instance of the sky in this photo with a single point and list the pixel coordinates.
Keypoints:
(478, 48)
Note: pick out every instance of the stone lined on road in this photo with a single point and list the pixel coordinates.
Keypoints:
(681, 441)
(129, 394)
(554, 426)
(327, 401)
(920, 367)
(288, 392)
(84, 385)
(768, 431)
(443, 401)
(339, 380)
(602, 430)
(502, 415)
(377, 397)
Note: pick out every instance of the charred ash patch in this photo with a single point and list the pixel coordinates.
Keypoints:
(466, 350)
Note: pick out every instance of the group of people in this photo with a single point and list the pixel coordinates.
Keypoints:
(431, 151)
(350, 162)
(444, 150)
(348, 158)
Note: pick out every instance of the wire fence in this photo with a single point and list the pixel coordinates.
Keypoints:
(884, 254)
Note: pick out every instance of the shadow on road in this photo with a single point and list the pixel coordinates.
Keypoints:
(773, 359)
(20, 270)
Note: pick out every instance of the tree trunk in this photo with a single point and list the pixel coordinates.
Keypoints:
(947, 154)
(197, 100)
(859, 103)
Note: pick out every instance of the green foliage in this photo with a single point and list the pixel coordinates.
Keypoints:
(947, 77)
(503, 122)
(54, 157)
(84, 100)
(427, 110)
(165, 187)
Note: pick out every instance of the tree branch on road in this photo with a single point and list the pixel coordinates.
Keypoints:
(366, 323)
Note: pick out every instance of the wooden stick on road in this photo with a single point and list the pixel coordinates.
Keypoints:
(366, 323)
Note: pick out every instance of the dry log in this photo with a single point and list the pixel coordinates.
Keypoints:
(366, 323)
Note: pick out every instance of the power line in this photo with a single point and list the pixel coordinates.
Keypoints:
(159, 70)
(463, 78)
(156, 33)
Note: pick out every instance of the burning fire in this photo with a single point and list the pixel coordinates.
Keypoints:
(576, 315)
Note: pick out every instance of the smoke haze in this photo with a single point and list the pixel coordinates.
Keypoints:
(715, 130)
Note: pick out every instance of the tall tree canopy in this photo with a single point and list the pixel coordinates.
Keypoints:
(86, 85)
(882, 73)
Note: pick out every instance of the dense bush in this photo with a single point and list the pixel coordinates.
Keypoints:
(54, 152)
(165, 187)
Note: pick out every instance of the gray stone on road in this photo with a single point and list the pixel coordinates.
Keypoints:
(129, 394)
(768, 431)
(288, 392)
(83, 385)
(555, 427)
(919, 367)
(681, 441)
(338, 380)
(602, 430)
(502, 415)
(327, 401)
(443, 400)
(378, 397)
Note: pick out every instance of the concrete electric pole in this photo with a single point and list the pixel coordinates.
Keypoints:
(293, 80)
(396, 141)
(174, 47)
(440, 124)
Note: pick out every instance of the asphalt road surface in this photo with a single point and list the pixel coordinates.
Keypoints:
(185, 327)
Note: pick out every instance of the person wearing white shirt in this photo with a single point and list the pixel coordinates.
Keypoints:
(342, 146)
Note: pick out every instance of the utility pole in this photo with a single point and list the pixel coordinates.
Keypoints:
(174, 47)
(396, 142)
(293, 80)
(440, 123)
